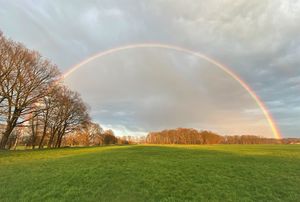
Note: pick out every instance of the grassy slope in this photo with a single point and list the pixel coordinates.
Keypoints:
(153, 173)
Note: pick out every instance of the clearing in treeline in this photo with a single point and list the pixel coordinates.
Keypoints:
(152, 173)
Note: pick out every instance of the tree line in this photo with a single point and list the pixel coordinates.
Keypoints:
(193, 136)
(33, 99)
(94, 135)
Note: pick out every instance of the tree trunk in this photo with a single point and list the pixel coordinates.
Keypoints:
(11, 124)
(50, 142)
(6, 134)
(33, 131)
(60, 136)
(60, 140)
(16, 142)
(44, 131)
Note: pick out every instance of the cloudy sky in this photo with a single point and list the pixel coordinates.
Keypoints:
(149, 89)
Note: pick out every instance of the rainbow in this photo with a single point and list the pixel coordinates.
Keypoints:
(260, 103)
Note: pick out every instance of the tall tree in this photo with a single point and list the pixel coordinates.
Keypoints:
(68, 116)
(26, 78)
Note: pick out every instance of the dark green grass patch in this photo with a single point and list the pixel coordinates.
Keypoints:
(153, 173)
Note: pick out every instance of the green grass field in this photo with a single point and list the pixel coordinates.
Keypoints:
(153, 173)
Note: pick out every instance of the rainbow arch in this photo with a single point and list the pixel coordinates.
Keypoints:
(251, 92)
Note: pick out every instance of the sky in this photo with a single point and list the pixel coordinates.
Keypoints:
(149, 89)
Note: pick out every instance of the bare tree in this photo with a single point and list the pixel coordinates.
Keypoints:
(70, 115)
(94, 132)
(50, 111)
(26, 78)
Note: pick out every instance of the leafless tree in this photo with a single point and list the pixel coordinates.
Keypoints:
(94, 132)
(68, 116)
(26, 78)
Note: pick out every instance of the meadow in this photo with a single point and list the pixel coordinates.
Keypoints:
(152, 173)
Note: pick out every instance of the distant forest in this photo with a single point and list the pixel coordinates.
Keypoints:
(193, 136)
